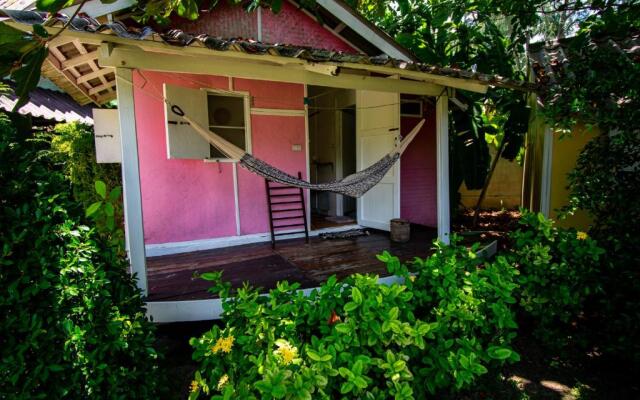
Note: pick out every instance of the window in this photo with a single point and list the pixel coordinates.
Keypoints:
(227, 118)
(411, 108)
(225, 114)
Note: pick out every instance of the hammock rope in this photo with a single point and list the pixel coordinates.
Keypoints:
(354, 185)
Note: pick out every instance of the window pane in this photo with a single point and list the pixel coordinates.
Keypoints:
(226, 110)
(233, 135)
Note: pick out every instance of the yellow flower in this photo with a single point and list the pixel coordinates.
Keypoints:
(223, 344)
(194, 386)
(582, 235)
(412, 278)
(223, 381)
(286, 352)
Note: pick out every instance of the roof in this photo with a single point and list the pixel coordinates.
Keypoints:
(80, 61)
(49, 104)
(343, 20)
(549, 58)
(17, 4)
(335, 15)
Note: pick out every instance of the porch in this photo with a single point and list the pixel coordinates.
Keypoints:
(171, 277)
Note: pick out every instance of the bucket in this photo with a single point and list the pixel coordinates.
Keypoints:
(400, 230)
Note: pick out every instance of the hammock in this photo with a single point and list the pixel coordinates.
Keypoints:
(354, 185)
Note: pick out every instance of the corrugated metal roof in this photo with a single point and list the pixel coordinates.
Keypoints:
(51, 105)
(17, 4)
(179, 38)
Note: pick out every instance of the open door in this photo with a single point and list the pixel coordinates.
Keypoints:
(377, 132)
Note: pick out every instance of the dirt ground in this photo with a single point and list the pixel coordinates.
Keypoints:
(492, 225)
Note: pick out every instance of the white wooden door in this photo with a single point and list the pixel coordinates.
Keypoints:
(377, 132)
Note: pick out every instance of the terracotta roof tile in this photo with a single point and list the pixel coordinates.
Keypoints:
(176, 37)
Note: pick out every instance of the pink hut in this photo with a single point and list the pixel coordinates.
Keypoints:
(320, 100)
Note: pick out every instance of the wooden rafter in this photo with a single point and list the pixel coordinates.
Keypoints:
(74, 69)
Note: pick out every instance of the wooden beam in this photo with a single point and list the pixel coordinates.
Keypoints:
(94, 75)
(132, 58)
(442, 168)
(379, 40)
(458, 83)
(134, 229)
(79, 60)
(69, 76)
(104, 86)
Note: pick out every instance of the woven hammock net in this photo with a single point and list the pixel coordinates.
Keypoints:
(354, 185)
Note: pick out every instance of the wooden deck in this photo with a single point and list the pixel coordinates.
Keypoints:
(170, 277)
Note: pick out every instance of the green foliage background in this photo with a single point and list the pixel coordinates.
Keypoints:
(73, 323)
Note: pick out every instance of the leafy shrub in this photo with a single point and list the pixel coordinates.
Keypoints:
(470, 300)
(73, 147)
(73, 323)
(559, 273)
(360, 339)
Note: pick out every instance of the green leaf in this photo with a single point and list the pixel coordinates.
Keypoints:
(350, 306)
(313, 355)
(188, 9)
(28, 75)
(499, 353)
(356, 295)
(115, 194)
(40, 31)
(343, 328)
(346, 387)
(279, 391)
(360, 382)
(108, 209)
(93, 208)
(211, 276)
(10, 35)
(52, 5)
(276, 6)
(101, 189)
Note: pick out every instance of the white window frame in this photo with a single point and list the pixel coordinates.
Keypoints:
(247, 118)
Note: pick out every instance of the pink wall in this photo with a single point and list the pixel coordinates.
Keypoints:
(289, 26)
(292, 26)
(189, 199)
(418, 197)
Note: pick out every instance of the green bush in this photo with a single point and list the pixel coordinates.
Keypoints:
(73, 147)
(73, 323)
(559, 271)
(470, 300)
(359, 339)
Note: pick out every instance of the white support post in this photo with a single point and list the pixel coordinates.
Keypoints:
(442, 170)
(545, 180)
(134, 230)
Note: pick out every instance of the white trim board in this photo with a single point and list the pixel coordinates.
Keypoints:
(547, 170)
(204, 310)
(163, 249)
(356, 23)
(278, 112)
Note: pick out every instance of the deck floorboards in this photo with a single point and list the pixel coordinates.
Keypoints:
(171, 277)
